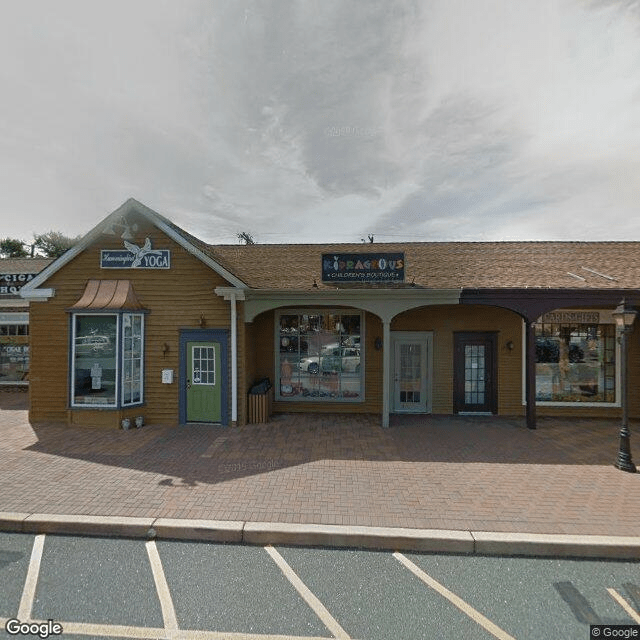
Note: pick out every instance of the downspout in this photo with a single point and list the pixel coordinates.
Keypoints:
(386, 370)
(234, 362)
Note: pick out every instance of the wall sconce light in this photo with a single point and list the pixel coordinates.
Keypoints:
(203, 321)
(510, 345)
(165, 349)
(378, 343)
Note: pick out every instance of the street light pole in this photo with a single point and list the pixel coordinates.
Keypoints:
(624, 320)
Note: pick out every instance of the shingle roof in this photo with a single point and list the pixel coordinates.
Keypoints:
(447, 265)
(24, 265)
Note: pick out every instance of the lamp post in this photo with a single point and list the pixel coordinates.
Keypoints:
(624, 318)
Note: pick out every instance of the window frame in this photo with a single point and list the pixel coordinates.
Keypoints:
(119, 361)
(277, 364)
(605, 319)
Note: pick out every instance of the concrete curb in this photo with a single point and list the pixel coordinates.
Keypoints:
(384, 538)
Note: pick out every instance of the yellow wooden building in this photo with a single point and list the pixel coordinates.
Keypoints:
(142, 319)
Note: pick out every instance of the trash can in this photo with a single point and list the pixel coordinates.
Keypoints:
(260, 401)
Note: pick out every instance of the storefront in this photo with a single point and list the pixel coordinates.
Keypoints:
(14, 318)
(143, 319)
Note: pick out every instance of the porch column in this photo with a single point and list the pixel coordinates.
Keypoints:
(386, 370)
(530, 373)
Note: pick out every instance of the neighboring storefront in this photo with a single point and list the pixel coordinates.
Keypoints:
(141, 318)
(14, 318)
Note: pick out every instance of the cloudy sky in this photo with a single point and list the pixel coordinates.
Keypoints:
(324, 120)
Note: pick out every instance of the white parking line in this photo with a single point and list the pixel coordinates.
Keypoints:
(29, 591)
(624, 604)
(467, 609)
(151, 633)
(318, 608)
(164, 595)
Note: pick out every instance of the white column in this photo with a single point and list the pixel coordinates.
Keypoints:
(386, 370)
(234, 361)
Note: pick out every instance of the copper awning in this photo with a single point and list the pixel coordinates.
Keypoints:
(113, 295)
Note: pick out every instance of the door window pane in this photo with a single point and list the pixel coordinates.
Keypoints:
(203, 365)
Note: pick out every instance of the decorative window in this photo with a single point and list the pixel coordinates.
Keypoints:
(318, 356)
(575, 362)
(107, 360)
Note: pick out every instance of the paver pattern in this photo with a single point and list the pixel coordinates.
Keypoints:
(440, 472)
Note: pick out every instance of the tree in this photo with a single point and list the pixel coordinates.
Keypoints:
(53, 243)
(12, 248)
(245, 237)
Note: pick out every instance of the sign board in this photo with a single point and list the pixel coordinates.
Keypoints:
(363, 267)
(135, 257)
(11, 283)
(567, 317)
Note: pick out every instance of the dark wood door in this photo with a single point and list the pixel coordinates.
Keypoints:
(475, 379)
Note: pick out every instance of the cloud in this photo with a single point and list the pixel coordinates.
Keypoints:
(324, 121)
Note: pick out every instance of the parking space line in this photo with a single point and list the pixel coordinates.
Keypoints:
(624, 604)
(318, 608)
(467, 609)
(29, 591)
(164, 595)
(151, 633)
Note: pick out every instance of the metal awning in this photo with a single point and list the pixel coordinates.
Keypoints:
(111, 295)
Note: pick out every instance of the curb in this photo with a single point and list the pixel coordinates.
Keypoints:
(381, 538)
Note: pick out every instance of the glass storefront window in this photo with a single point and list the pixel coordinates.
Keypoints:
(319, 356)
(105, 362)
(94, 360)
(575, 362)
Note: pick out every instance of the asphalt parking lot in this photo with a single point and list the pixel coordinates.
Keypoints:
(108, 587)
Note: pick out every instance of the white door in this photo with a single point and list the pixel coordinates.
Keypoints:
(411, 370)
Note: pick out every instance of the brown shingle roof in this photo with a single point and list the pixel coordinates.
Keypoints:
(24, 265)
(447, 265)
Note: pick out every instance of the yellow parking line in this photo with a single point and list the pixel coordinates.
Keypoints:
(29, 591)
(164, 595)
(624, 604)
(475, 615)
(318, 608)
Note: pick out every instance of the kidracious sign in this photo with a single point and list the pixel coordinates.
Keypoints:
(363, 267)
(135, 257)
(11, 283)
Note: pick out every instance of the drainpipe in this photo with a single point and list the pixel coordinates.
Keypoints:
(386, 370)
(233, 295)
(234, 361)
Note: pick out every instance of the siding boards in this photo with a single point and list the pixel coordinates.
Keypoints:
(175, 298)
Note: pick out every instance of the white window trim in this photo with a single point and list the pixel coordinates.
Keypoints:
(318, 311)
(119, 391)
(606, 313)
(141, 401)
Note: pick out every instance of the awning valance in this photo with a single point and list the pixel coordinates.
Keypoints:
(113, 295)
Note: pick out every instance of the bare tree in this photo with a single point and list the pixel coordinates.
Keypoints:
(246, 237)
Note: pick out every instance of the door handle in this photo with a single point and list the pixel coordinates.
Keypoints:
(188, 384)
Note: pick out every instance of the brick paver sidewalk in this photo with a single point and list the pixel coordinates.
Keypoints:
(425, 472)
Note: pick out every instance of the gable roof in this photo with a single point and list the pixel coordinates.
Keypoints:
(181, 237)
(428, 265)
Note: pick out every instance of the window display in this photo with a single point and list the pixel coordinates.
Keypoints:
(575, 362)
(319, 356)
(96, 359)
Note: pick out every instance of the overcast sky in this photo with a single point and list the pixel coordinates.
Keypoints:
(323, 120)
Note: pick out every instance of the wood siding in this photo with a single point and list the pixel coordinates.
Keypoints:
(175, 298)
